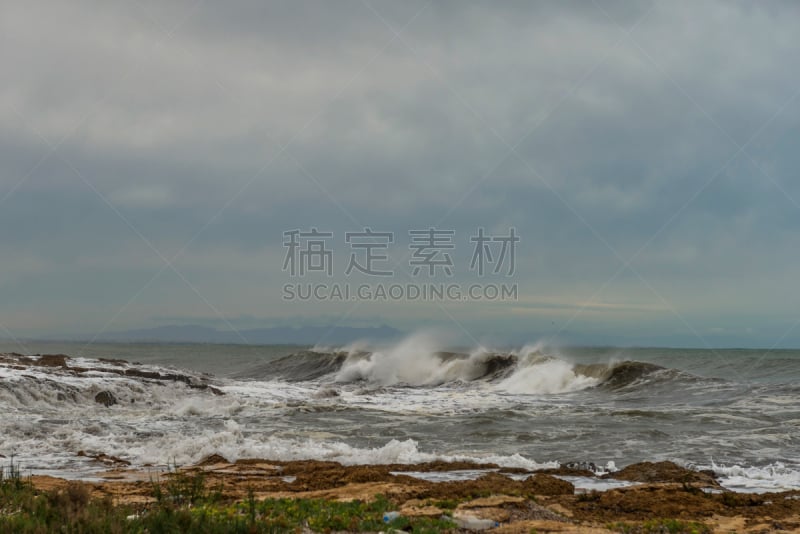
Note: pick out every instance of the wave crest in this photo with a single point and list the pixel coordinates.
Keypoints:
(421, 361)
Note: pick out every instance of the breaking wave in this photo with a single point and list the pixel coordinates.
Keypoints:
(418, 361)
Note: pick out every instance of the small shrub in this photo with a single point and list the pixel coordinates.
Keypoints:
(183, 488)
(588, 496)
(661, 526)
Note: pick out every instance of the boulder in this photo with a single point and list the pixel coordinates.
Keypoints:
(541, 484)
(662, 472)
(52, 360)
(106, 398)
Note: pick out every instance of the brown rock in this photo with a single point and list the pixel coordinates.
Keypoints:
(418, 508)
(541, 484)
(111, 460)
(571, 469)
(212, 460)
(662, 472)
(52, 360)
(106, 398)
(104, 458)
(441, 465)
(113, 360)
(494, 501)
(499, 515)
(139, 373)
(646, 502)
(524, 527)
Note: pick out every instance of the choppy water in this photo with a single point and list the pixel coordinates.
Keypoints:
(736, 411)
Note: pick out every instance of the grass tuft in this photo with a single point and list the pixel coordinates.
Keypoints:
(184, 503)
(661, 526)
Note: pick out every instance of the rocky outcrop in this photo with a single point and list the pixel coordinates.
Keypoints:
(105, 459)
(649, 472)
(106, 398)
(541, 484)
(52, 360)
(62, 363)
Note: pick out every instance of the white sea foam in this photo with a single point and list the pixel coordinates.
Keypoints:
(412, 361)
(546, 377)
(416, 361)
(233, 445)
(773, 477)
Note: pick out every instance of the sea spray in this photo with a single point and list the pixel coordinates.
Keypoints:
(412, 361)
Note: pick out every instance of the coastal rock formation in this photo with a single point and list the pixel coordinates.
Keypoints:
(662, 472)
(106, 398)
(107, 459)
(62, 364)
(542, 484)
(52, 360)
(542, 503)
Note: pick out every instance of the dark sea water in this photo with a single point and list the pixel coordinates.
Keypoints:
(734, 411)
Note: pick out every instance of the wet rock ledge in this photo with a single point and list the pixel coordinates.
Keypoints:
(64, 364)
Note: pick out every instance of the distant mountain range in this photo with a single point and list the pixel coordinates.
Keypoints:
(304, 335)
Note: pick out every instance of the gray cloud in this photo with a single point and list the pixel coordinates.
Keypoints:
(177, 114)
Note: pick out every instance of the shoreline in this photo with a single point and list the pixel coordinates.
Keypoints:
(661, 495)
(267, 495)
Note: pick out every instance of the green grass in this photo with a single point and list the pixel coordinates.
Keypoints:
(445, 504)
(326, 516)
(182, 488)
(661, 526)
(184, 503)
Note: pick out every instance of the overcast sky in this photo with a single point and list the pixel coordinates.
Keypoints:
(153, 153)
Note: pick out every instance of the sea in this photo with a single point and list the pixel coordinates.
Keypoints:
(736, 412)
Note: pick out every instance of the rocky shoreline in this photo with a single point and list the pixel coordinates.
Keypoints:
(517, 500)
(114, 367)
(575, 497)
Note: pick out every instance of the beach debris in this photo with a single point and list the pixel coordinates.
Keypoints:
(388, 517)
(471, 522)
(104, 458)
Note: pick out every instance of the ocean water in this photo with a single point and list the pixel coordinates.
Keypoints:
(734, 411)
